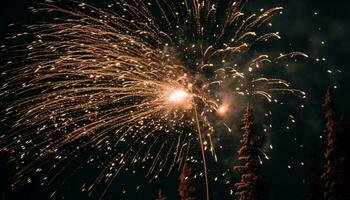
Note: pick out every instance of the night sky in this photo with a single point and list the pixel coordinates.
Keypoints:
(318, 28)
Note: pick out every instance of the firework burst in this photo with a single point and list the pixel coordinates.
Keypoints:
(138, 81)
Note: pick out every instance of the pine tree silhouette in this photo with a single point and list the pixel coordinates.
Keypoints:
(336, 171)
(160, 195)
(250, 185)
(187, 189)
(315, 172)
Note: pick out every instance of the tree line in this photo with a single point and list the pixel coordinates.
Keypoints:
(332, 182)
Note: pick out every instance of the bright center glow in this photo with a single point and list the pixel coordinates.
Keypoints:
(179, 96)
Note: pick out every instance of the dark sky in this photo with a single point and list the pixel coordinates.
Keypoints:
(318, 28)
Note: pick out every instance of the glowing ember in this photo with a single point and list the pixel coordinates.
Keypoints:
(222, 110)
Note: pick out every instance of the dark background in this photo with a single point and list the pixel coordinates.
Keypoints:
(302, 29)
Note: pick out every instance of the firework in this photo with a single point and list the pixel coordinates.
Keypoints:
(136, 80)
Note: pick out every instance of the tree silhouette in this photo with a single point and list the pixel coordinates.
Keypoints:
(160, 195)
(187, 189)
(250, 185)
(336, 171)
